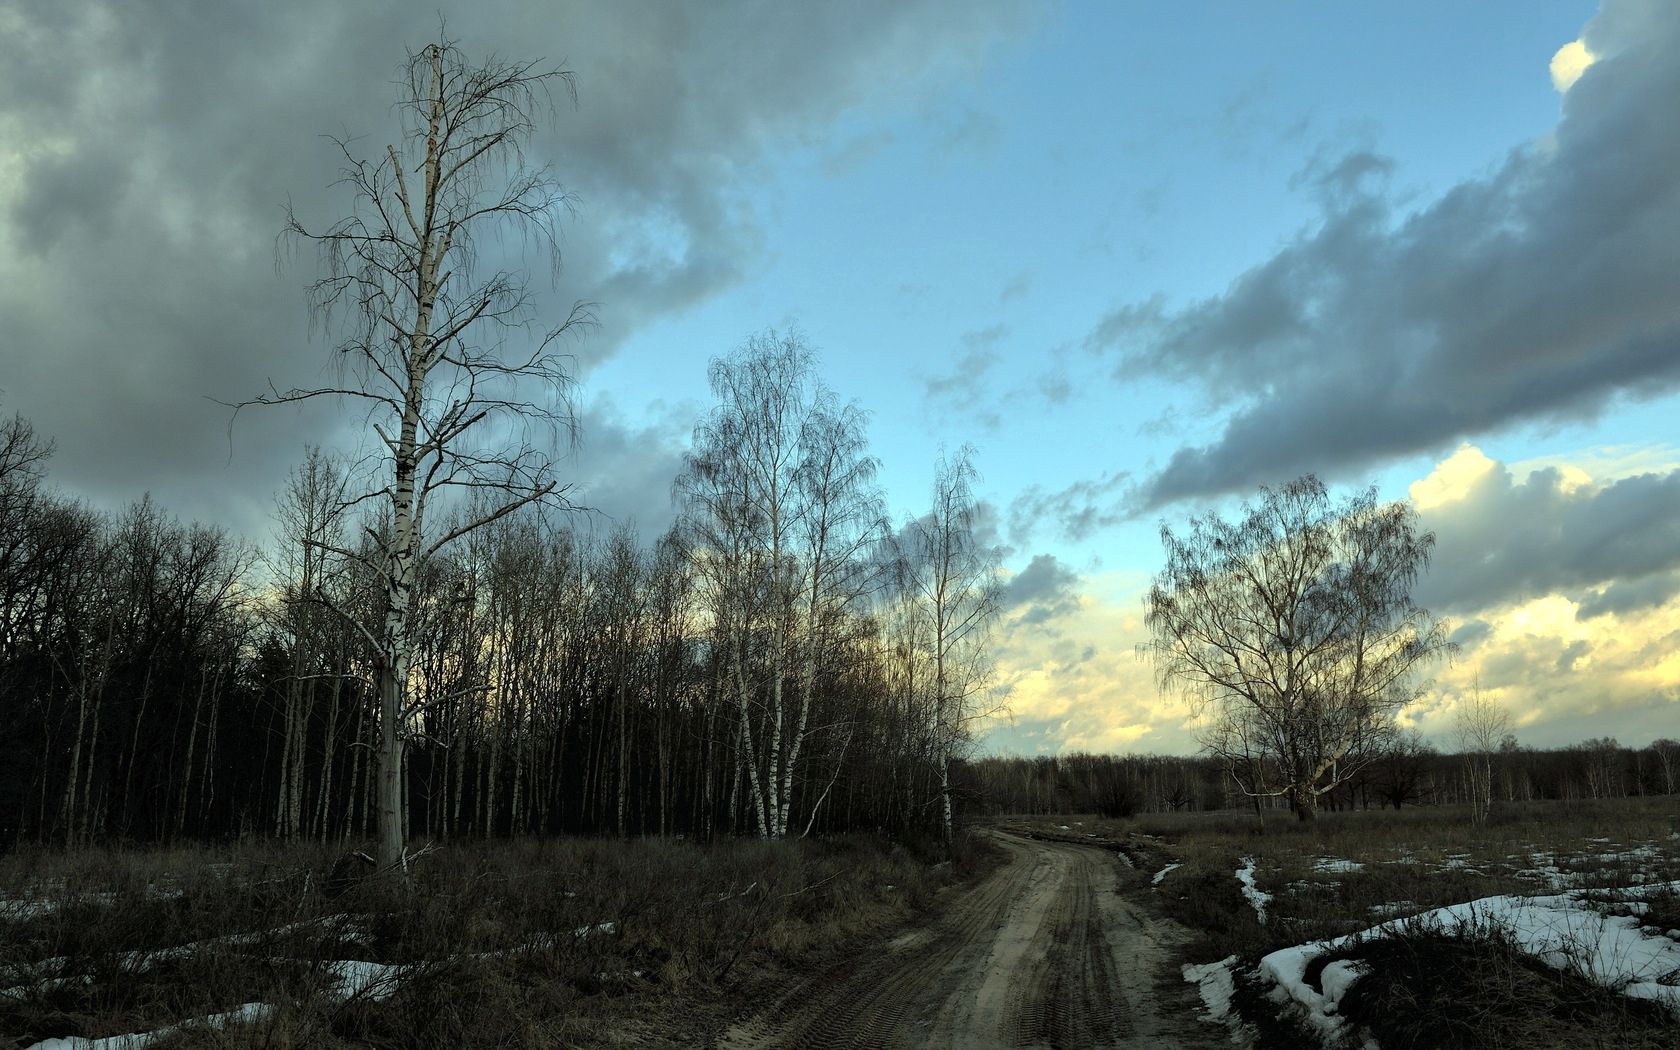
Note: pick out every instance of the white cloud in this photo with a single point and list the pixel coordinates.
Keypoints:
(1571, 60)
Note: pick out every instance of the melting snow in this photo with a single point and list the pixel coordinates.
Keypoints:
(1159, 875)
(1216, 984)
(247, 1014)
(1335, 865)
(1256, 896)
(1564, 931)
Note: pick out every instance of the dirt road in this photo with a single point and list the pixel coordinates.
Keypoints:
(1057, 948)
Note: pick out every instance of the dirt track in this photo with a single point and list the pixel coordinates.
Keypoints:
(1048, 951)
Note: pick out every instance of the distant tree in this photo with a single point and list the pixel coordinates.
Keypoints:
(953, 578)
(1400, 775)
(1667, 752)
(1294, 632)
(1480, 726)
(1599, 762)
(427, 348)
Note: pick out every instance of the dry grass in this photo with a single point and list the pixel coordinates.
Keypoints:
(1476, 988)
(1348, 871)
(514, 944)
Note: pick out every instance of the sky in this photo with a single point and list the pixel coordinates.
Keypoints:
(1144, 257)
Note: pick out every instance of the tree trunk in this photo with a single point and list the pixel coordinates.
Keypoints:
(391, 830)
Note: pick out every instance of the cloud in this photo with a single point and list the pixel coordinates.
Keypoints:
(1625, 597)
(623, 471)
(148, 149)
(1073, 674)
(1565, 678)
(1500, 540)
(1571, 60)
(1540, 292)
(1075, 512)
(1469, 635)
(1042, 591)
(1559, 618)
(961, 391)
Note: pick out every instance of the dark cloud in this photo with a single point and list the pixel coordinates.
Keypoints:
(624, 471)
(1542, 291)
(1629, 596)
(151, 146)
(1509, 540)
(1046, 588)
(1056, 386)
(1469, 635)
(1571, 653)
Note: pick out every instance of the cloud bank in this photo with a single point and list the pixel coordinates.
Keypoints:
(1543, 291)
(147, 150)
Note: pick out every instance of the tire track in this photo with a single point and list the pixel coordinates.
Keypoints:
(1044, 953)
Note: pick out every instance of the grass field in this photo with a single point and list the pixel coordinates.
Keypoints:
(1250, 891)
(545, 943)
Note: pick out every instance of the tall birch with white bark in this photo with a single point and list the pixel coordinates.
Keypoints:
(462, 382)
(953, 579)
(782, 507)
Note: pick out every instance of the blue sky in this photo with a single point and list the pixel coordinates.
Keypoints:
(1145, 257)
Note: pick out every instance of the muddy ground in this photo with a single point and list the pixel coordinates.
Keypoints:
(1059, 947)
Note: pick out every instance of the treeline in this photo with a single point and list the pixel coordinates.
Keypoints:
(780, 661)
(1409, 772)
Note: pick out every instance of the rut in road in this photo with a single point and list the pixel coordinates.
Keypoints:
(1046, 952)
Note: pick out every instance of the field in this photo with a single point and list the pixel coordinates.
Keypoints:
(1352, 930)
(564, 942)
(1578, 966)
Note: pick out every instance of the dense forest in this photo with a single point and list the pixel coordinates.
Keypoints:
(781, 660)
(165, 681)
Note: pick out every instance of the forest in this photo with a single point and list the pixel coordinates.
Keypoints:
(168, 681)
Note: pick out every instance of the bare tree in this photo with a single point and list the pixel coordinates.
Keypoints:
(782, 506)
(1480, 727)
(442, 348)
(1294, 632)
(953, 577)
(1667, 750)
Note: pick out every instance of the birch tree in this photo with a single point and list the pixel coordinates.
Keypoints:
(443, 349)
(953, 576)
(1294, 633)
(1479, 726)
(782, 505)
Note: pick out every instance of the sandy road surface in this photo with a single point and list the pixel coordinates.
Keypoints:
(1055, 949)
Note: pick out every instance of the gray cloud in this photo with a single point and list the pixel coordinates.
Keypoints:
(1541, 292)
(150, 147)
(1076, 511)
(1629, 596)
(624, 472)
(1469, 635)
(961, 391)
(1046, 587)
(1509, 540)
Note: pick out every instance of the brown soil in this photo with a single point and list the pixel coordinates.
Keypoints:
(1058, 948)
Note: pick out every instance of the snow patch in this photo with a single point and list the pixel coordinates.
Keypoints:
(250, 1013)
(1256, 896)
(1565, 931)
(1162, 874)
(1336, 865)
(1216, 984)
